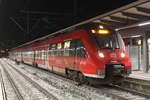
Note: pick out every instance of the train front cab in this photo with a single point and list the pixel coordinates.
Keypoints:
(109, 56)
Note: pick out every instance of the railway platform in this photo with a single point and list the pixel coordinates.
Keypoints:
(138, 80)
(140, 75)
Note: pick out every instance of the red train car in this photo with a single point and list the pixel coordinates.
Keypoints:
(94, 52)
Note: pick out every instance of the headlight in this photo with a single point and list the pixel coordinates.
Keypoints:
(122, 54)
(101, 54)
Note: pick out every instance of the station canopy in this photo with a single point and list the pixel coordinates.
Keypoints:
(128, 16)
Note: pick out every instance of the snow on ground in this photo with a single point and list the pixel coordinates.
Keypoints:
(8, 88)
(63, 88)
(25, 87)
(59, 86)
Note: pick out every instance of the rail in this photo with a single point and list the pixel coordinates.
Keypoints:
(14, 86)
(35, 84)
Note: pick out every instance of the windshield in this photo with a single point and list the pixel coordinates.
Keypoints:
(111, 41)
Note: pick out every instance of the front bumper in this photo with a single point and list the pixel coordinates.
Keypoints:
(117, 70)
(110, 71)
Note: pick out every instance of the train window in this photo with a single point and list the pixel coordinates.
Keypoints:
(73, 48)
(59, 49)
(66, 44)
(42, 55)
(32, 54)
(37, 54)
(29, 54)
(49, 50)
(45, 54)
(53, 50)
(66, 48)
(59, 46)
(80, 49)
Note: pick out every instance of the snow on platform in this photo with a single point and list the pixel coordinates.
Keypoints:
(140, 75)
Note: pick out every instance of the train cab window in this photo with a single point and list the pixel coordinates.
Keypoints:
(80, 49)
(66, 48)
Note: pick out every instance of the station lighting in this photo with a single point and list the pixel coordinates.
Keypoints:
(135, 36)
(116, 29)
(101, 27)
(93, 31)
(143, 24)
(148, 41)
(139, 42)
(2, 51)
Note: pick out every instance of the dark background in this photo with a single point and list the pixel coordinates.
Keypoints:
(24, 20)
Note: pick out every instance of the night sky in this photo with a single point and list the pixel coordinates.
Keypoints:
(25, 20)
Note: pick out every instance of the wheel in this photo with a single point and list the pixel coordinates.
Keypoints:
(69, 74)
(76, 76)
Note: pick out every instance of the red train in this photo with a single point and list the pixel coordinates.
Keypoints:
(93, 52)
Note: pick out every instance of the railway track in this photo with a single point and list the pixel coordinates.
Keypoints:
(14, 86)
(4, 94)
(114, 93)
(36, 85)
(143, 94)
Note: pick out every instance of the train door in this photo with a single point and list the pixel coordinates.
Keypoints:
(72, 53)
(80, 53)
(51, 56)
(148, 41)
(69, 53)
(46, 56)
(34, 56)
(21, 56)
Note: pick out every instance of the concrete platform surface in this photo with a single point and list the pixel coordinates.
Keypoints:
(140, 75)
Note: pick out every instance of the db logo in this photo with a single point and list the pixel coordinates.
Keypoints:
(113, 55)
